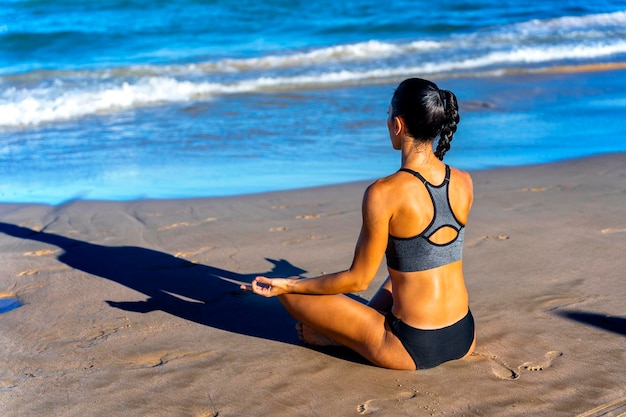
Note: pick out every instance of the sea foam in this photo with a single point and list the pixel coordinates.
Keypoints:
(50, 96)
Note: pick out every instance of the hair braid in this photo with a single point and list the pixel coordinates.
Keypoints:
(450, 122)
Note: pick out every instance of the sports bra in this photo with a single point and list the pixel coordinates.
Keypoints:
(419, 253)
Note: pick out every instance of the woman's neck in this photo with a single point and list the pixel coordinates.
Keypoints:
(417, 155)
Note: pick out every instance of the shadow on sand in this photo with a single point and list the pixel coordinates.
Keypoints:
(601, 321)
(200, 293)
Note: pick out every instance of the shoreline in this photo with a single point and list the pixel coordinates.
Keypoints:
(545, 116)
(133, 306)
(363, 183)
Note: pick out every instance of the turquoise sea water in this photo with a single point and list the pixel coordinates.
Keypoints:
(125, 99)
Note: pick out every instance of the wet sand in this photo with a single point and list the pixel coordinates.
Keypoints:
(133, 308)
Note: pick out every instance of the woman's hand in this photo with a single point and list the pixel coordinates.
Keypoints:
(269, 287)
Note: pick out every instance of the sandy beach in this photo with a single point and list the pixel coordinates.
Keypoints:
(133, 308)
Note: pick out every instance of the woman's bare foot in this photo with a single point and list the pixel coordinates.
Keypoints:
(313, 337)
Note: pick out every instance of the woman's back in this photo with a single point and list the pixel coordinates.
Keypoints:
(428, 287)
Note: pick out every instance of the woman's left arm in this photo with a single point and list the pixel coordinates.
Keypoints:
(368, 255)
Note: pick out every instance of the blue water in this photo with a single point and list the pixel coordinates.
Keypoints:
(125, 99)
(8, 303)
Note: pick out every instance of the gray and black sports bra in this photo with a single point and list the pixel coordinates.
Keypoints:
(419, 253)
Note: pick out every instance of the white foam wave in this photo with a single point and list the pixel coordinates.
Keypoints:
(374, 50)
(31, 107)
(61, 101)
(532, 55)
(577, 22)
(355, 52)
(361, 51)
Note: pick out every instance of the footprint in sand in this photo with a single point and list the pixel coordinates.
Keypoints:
(186, 224)
(548, 358)
(308, 216)
(561, 187)
(501, 370)
(498, 366)
(42, 252)
(378, 404)
(612, 230)
(28, 272)
(187, 254)
(310, 237)
(482, 239)
(535, 189)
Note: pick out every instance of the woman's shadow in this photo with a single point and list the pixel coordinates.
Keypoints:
(200, 293)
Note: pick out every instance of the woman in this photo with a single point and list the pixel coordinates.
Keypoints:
(420, 316)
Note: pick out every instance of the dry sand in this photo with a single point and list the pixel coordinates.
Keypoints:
(132, 308)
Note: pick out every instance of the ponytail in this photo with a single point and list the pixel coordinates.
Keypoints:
(449, 124)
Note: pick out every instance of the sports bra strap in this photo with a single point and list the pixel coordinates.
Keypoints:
(424, 180)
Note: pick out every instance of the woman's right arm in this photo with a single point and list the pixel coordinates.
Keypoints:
(368, 255)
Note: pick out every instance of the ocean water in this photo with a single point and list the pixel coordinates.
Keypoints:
(127, 99)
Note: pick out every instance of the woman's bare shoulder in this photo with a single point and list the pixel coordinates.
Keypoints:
(384, 190)
(462, 177)
(387, 185)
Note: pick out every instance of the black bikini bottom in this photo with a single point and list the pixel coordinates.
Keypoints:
(430, 348)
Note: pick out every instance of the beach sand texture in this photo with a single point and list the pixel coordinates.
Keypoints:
(133, 308)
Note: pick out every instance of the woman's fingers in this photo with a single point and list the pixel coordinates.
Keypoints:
(256, 285)
(262, 286)
(267, 287)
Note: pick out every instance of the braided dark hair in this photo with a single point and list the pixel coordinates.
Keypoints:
(427, 112)
(449, 125)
